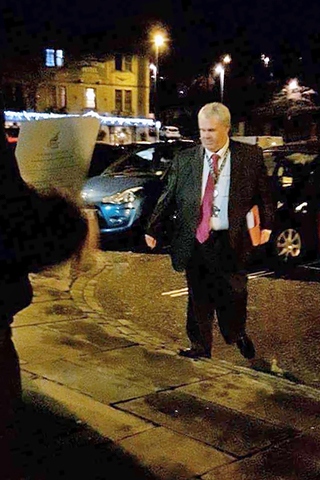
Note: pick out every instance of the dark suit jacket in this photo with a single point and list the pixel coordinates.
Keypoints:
(249, 185)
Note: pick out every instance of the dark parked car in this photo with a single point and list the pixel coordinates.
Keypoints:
(126, 192)
(104, 155)
(294, 171)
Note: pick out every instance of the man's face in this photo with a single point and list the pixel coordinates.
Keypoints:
(213, 133)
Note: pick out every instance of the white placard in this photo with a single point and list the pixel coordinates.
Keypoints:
(56, 152)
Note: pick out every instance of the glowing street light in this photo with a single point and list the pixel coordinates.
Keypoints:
(266, 60)
(158, 40)
(226, 59)
(220, 70)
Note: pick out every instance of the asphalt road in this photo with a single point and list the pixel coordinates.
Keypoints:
(283, 312)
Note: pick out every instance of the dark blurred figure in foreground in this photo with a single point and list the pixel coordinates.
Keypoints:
(36, 231)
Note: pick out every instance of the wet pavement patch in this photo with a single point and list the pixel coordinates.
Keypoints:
(153, 370)
(296, 459)
(79, 331)
(59, 309)
(222, 428)
(269, 399)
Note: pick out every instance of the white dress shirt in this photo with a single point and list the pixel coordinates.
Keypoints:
(221, 201)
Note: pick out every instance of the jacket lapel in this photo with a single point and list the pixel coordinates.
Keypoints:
(197, 169)
(235, 172)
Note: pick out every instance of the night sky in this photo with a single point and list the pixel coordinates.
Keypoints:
(198, 31)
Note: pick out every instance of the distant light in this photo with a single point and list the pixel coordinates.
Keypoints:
(293, 84)
(11, 116)
(158, 40)
(219, 69)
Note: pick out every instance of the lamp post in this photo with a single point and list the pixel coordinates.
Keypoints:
(220, 70)
(158, 42)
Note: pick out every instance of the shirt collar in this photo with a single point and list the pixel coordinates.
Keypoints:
(222, 152)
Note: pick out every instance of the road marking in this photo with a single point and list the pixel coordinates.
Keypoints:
(263, 273)
(176, 293)
(184, 291)
(309, 267)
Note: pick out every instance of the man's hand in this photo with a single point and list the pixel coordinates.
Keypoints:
(150, 241)
(265, 236)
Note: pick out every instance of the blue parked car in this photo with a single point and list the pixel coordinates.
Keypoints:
(125, 193)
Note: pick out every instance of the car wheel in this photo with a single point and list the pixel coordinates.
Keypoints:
(288, 246)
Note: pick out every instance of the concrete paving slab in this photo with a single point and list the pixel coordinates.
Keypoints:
(45, 294)
(36, 344)
(154, 370)
(90, 331)
(272, 400)
(101, 386)
(50, 445)
(46, 312)
(222, 428)
(297, 459)
(171, 456)
(109, 422)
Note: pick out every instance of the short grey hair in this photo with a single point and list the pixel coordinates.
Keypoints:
(216, 109)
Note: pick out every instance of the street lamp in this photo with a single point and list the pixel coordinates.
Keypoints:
(158, 42)
(220, 70)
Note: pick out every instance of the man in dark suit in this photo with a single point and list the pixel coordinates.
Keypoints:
(211, 189)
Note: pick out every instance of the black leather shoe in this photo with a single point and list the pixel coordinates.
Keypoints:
(246, 347)
(194, 353)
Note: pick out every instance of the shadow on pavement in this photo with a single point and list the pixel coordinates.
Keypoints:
(50, 446)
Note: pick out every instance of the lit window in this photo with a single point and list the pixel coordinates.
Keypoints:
(118, 100)
(90, 98)
(54, 58)
(62, 97)
(50, 57)
(59, 58)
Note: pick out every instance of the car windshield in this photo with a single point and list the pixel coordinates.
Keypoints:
(139, 162)
(152, 160)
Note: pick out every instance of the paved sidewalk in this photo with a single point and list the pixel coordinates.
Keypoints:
(102, 402)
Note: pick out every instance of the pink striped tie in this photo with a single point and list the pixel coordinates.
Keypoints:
(203, 229)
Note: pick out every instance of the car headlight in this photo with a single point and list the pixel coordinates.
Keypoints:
(127, 196)
(286, 181)
(84, 195)
(302, 207)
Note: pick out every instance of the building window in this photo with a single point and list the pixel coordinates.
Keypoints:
(91, 98)
(128, 63)
(127, 101)
(62, 97)
(118, 62)
(52, 96)
(54, 58)
(59, 58)
(50, 57)
(118, 100)
(123, 63)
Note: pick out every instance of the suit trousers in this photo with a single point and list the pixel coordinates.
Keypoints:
(217, 284)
